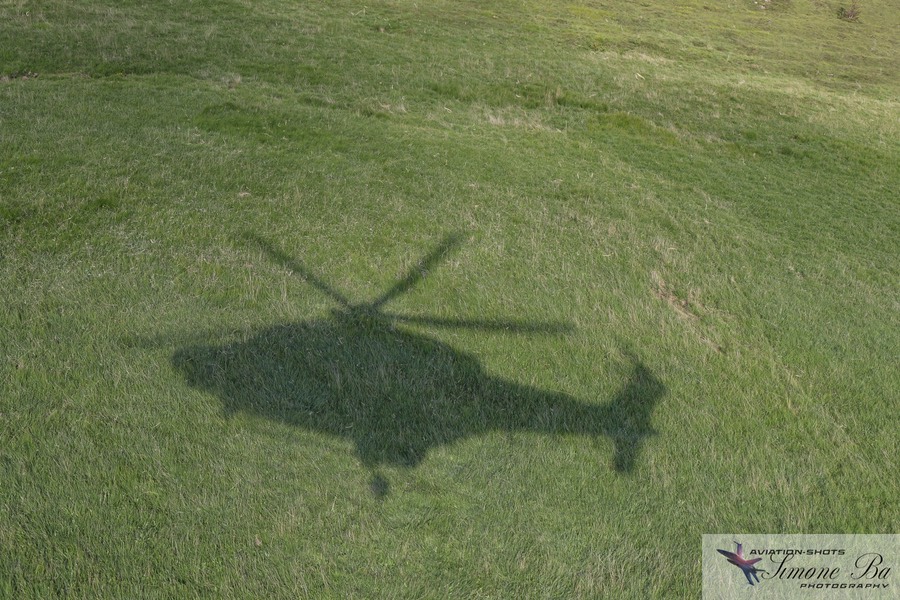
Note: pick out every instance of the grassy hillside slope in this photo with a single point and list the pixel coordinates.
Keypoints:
(497, 299)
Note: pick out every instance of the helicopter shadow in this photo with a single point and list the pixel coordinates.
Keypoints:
(362, 375)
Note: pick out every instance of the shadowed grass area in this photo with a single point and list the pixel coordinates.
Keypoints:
(673, 311)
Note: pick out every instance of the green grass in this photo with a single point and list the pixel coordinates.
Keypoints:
(665, 303)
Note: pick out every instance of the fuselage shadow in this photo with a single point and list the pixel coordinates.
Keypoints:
(396, 394)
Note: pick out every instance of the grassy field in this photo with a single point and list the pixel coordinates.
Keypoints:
(440, 299)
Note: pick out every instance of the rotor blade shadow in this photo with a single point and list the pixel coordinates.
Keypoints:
(415, 274)
(501, 325)
(292, 265)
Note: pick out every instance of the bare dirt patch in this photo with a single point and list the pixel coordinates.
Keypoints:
(23, 76)
(688, 309)
(682, 306)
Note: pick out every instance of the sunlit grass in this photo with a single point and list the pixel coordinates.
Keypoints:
(667, 306)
